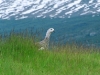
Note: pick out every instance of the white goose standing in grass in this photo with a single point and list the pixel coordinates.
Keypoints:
(45, 43)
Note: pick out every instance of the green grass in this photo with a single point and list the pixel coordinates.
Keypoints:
(20, 56)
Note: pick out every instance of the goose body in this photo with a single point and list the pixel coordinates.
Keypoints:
(45, 43)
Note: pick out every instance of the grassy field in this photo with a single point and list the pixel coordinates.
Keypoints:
(20, 56)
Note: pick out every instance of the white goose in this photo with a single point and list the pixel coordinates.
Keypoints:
(45, 43)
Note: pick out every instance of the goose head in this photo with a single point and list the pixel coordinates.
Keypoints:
(49, 31)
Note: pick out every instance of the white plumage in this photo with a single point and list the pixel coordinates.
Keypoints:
(45, 43)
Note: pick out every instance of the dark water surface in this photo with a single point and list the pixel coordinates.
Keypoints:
(84, 29)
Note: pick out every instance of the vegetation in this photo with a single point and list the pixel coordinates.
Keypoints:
(20, 56)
